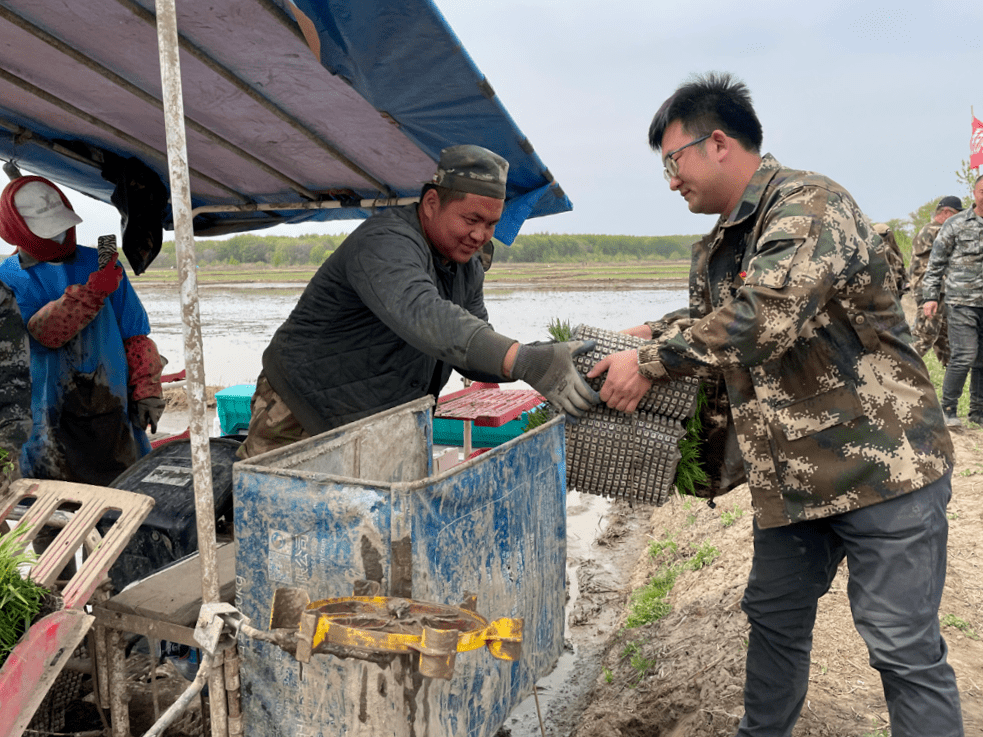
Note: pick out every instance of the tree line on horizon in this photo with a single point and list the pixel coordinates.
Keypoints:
(906, 228)
(311, 250)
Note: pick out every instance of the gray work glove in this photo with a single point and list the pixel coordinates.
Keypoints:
(548, 368)
(147, 411)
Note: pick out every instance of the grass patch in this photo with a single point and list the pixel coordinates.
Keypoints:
(641, 665)
(705, 555)
(632, 652)
(951, 620)
(650, 603)
(729, 518)
(20, 598)
(658, 547)
(883, 732)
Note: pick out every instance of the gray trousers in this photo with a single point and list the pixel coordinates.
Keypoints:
(896, 553)
(966, 344)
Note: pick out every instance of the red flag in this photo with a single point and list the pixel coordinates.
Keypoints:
(976, 145)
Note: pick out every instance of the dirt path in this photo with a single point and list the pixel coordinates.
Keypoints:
(683, 675)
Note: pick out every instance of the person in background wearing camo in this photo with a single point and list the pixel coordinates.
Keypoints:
(957, 259)
(15, 384)
(843, 440)
(930, 332)
(398, 306)
(95, 372)
(897, 276)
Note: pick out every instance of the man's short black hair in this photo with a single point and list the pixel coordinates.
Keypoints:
(977, 180)
(444, 194)
(710, 102)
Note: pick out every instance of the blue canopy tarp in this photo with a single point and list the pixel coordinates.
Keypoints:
(314, 101)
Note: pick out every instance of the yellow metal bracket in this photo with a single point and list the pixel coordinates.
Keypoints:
(359, 626)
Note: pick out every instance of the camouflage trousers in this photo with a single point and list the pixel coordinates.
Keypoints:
(272, 424)
(932, 332)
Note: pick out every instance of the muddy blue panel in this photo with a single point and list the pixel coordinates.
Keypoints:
(497, 528)
(494, 526)
(321, 537)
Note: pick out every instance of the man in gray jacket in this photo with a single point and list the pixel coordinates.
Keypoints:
(957, 256)
(395, 309)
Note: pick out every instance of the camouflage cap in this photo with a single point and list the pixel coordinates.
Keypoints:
(951, 202)
(472, 169)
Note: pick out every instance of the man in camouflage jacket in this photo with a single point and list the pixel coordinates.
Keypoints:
(930, 332)
(957, 257)
(15, 381)
(895, 259)
(842, 436)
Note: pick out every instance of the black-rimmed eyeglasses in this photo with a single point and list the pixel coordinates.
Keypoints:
(671, 167)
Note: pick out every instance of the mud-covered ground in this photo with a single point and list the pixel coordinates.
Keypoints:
(683, 675)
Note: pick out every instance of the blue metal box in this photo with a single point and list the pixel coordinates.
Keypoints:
(360, 503)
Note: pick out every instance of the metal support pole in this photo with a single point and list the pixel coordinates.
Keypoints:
(177, 160)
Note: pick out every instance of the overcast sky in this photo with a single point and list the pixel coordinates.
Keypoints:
(875, 96)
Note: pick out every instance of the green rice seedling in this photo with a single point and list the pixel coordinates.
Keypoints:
(689, 471)
(559, 330)
(535, 418)
(20, 597)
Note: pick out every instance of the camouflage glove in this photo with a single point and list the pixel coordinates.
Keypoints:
(147, 411)
(105, 280)
(549, 369)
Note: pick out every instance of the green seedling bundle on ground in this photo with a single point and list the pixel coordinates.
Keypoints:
(20, 597)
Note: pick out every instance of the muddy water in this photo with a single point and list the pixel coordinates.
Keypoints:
(237, 324)
(238, 321)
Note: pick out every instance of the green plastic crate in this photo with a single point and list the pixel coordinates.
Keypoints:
(451, 432)
(233, 407)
